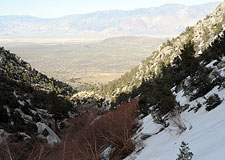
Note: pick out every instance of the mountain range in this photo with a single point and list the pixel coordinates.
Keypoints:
(169, 19)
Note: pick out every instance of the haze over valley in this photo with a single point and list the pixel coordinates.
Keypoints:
(91, 62)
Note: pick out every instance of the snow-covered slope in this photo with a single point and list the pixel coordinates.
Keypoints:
(205, 136)
(205, 130)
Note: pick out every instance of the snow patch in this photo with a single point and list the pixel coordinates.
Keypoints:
(21, 102)
(52, 138)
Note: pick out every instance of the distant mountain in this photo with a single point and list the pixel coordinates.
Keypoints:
(169, 19)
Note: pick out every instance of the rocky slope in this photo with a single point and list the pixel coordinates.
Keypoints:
(30, 100)
(16, 69)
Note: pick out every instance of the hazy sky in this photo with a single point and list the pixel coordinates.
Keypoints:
(57, 8)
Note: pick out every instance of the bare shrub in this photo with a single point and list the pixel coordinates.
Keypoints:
(93, 132)
(12, 150)
(176, 121)
(5, 152)
(89, 135)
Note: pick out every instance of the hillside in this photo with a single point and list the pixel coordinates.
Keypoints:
(16, 69)
(184, 103)
(168, 19)
(202, 34)
(29, 98)
(198, 118)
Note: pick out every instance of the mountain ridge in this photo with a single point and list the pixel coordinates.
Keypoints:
(133, 22)
(164, 5)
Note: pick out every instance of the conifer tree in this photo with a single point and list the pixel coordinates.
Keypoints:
(185, 153)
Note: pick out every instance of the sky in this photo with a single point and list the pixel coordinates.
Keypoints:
(59, 8)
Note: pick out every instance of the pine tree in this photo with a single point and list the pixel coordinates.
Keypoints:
(189, 63)
(185, 153)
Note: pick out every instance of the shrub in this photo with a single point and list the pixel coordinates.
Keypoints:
(26, 109)
(3, 115)
(212, 102)
(218, 28)
(199, 105)
(200, 83)
(31, 128)
(36, 118)
(19, 124)
(176, 121)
